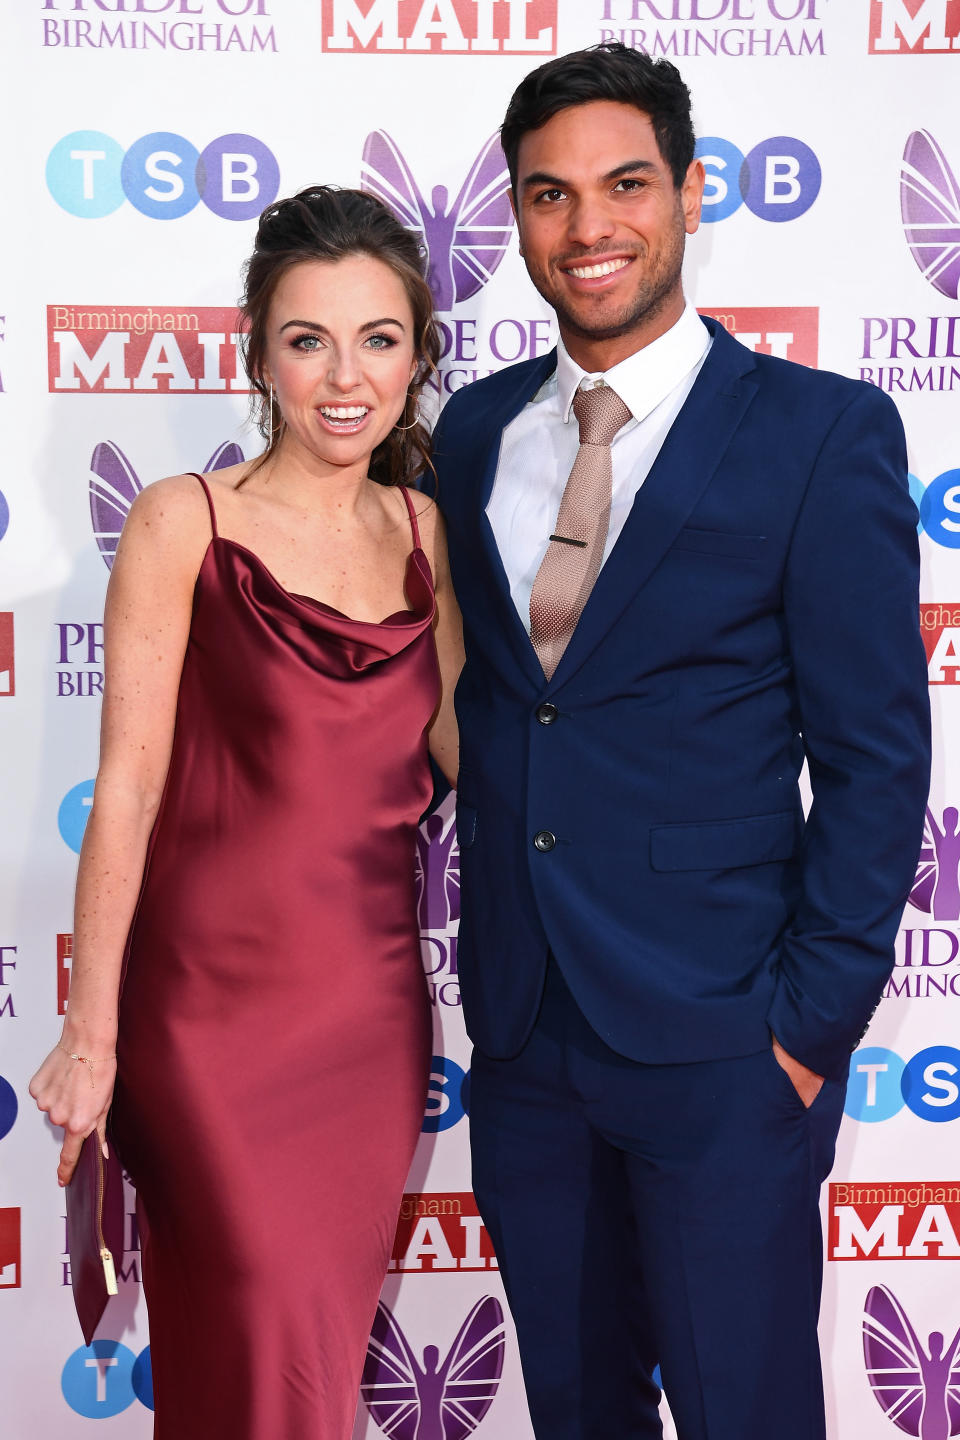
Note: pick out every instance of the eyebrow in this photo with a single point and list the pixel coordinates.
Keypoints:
(322, 329)
(630, 167)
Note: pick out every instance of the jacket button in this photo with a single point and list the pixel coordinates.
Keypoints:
(544, 840)
(547, 713)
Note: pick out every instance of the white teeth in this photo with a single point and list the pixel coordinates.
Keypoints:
(343, 412)
(593, 272)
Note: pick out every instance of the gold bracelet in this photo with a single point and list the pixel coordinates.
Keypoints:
(86, 1060)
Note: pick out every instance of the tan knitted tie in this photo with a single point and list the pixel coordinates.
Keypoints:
(574, 555)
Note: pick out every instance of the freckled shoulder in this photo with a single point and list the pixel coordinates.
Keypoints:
(169, 519)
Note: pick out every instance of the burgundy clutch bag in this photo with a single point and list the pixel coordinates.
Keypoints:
(94, 1231)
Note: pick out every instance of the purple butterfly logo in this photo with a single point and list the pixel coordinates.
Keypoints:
(116, 486)
(465, 241)
(937, 886)
(917, 1388)
(930, 206)
(438, 873)
(434, 1401)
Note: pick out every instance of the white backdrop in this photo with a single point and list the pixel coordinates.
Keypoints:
(120, 272)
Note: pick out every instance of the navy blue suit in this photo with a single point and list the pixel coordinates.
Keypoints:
(633, 829)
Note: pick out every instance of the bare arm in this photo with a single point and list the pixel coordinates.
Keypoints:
(146, 625)
(448, 633)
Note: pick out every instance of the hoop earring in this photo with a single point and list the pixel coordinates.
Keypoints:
(270, 431)
(414, 423)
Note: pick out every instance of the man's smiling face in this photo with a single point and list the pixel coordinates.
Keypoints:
(602, 228)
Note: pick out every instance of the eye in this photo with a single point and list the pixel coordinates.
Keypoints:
(550, 197)
(305, 342)
(381, 341)
(629, 185)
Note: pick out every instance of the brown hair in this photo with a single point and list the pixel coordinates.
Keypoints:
(326, 223)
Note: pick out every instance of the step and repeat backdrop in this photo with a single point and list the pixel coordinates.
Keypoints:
(144, 137)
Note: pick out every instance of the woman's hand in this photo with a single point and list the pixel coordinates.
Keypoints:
(76, 1095)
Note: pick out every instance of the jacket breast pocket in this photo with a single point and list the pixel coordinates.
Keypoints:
(466, 826)
(725, 844)
(719, 542)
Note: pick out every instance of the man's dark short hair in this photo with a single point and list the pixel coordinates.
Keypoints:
(605, 72)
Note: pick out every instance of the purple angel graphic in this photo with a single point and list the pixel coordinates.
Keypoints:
(117, 486)
(917, 1390)
(465, 241)
(930, 207)
(937, 886)
(434, 1401)
(437, 873)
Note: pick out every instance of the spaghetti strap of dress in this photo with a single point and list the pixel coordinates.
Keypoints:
(206, 491)
(413, 518)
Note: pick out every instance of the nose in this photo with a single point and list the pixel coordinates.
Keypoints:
(591, 221)
(343, 371)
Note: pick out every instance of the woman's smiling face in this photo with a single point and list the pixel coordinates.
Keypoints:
(340, 356)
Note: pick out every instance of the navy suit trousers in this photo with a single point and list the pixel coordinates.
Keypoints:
(650, 1215)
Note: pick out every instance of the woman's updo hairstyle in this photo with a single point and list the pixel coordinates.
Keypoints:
(326, 223)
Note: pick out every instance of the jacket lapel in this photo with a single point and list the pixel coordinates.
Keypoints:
(494, 581)
(694, 447)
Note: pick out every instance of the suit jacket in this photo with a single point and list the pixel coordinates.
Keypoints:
(639, 814)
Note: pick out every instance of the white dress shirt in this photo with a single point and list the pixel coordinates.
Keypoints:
(539, 446)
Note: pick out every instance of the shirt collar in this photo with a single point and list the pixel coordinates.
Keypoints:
(647, 376)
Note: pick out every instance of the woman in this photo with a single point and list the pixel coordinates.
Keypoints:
(263, 767)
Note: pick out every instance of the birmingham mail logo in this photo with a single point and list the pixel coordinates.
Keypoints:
(930, 207)
(441, 27)
(139, 350)
(466, 240)
(438, 1399)
(894, 1220)
(937, 886)
(116, 485)
(441, 1233)
(791, 332)
(10, 1247)
(914, 27)
(940, 628)
(917, 1386)
(8, 684)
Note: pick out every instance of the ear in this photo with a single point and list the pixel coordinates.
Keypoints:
(691, 195)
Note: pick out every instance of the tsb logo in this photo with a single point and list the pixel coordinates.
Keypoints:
(448, 1097)
(73, 813)
(881, 1084)
(939, 506)
(162, 175)
(778, 180)
(105, 1378)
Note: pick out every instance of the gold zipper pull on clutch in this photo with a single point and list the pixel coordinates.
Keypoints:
(109, 1273)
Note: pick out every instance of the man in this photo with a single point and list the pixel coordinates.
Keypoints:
(664, 968)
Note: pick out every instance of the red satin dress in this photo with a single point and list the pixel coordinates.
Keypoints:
(274, 1038)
